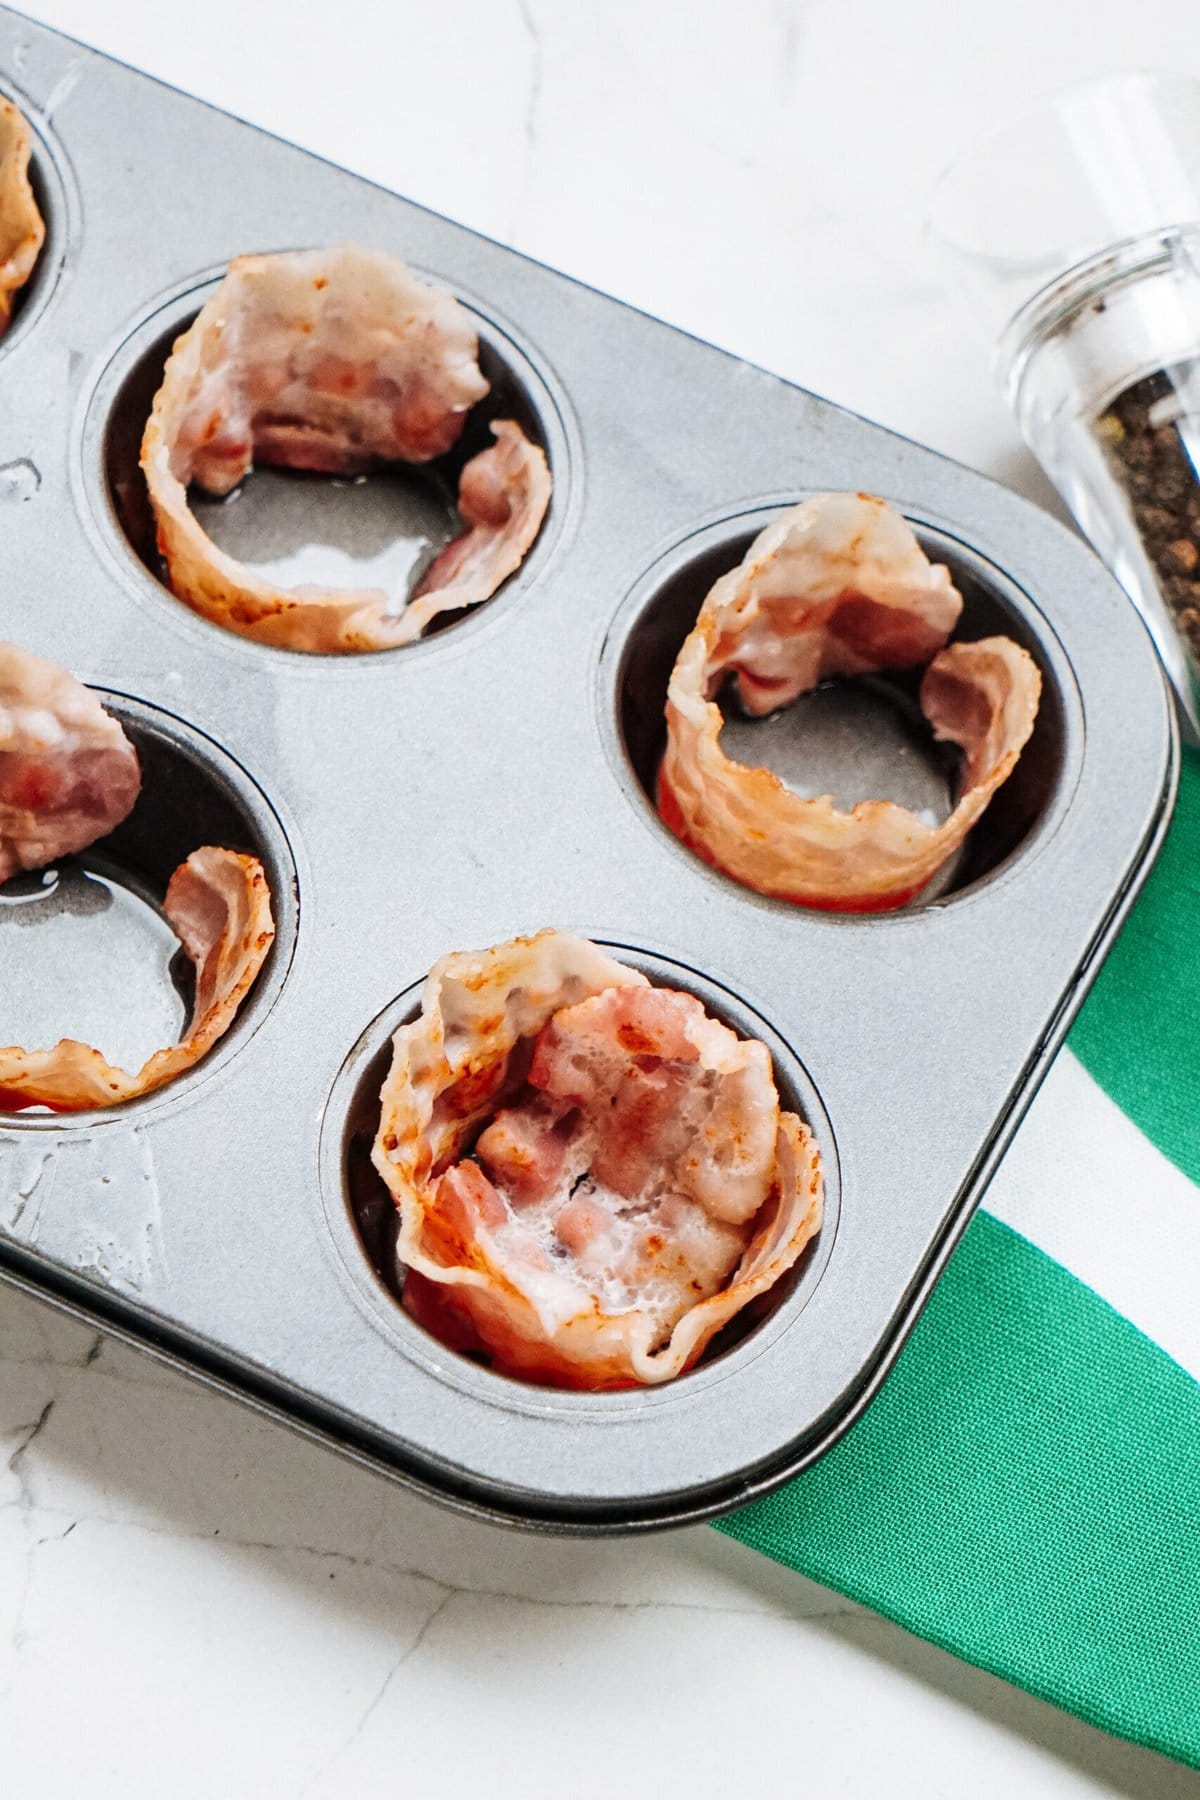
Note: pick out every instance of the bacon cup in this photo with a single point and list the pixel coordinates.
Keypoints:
(592, 1175)
(340, 361)
(22, 229)
(837, 586)
(69, 776)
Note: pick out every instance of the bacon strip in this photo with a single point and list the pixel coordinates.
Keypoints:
(503, 494)
(220, 906)
(636, 1183)
(22, 228)
(839, 585)
(68, 773)
(332, 360)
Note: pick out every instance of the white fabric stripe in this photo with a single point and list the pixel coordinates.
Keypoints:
(1087, 1187)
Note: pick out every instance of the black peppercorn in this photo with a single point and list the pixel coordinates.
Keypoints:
(1151, 439)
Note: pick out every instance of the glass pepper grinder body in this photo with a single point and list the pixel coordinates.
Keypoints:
(1097, 334)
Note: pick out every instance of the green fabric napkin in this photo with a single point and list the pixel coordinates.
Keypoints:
(1025, 1490)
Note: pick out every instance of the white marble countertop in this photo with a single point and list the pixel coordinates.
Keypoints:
(193, 1601)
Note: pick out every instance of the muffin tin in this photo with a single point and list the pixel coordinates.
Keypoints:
(490, 780)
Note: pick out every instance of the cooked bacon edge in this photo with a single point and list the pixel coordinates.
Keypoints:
(220, 906)
(454, 1068)
(503, 494)
(334, 360)
(22, 229)
(839, 585)
(68, 773)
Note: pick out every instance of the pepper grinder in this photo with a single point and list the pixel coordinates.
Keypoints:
(1075, 235)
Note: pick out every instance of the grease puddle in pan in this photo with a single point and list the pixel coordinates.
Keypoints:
(83, 955)
(377, 531)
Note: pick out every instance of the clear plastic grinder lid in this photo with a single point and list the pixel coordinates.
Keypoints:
(1094, 166)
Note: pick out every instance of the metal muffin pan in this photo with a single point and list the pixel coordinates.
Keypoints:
(494, 779)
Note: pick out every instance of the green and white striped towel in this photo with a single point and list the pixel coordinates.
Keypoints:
(1025, 1490)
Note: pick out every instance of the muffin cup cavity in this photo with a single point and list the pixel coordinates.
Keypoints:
(864, 738)
(192, 794)
(363, 1219)
(54, 196)
(297, 527)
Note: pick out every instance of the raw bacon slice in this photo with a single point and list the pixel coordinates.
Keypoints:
(333, 360)
(68, 773)
(22, 229)
(593, 1176)
(839, 585)
(220, 907)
